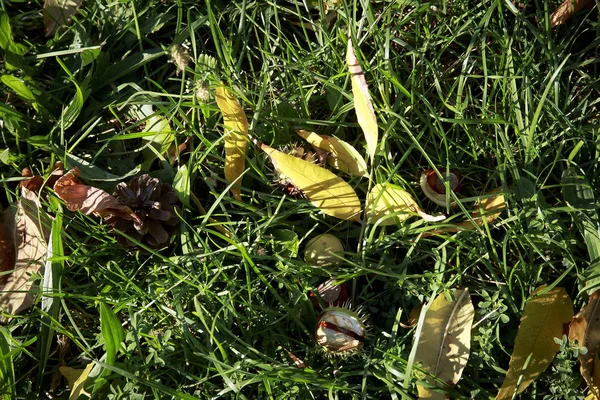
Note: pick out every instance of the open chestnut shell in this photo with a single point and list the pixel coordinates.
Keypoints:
(435, 189)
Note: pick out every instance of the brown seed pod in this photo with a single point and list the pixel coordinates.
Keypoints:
(435, 189)
(340, 331)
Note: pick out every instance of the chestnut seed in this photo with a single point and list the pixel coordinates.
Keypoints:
(340, 330)
(332, 293)
(320, 251)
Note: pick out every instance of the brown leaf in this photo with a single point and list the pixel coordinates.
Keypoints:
(90, 200)
(567, 9)
(8, 247)
(32, 231)
(585, 329)
(58, 13)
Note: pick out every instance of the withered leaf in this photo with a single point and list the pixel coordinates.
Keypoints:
(88, 199)
(58, 13)
(31, 237)
(585, 329)
(567, 9)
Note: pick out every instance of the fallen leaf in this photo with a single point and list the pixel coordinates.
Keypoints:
(542, 321)
(342, 155)
(413, 317)
(585, 329)
(489, 208)
(567, 9)
(8, 247)
(31, 240)
(58, 13)
(76, 379)
(362, 101)
(445, 341)
(326, 191)
(159, 141)
(236, 133)
(385, 200)
(88, 199)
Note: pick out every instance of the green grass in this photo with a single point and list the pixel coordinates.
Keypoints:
(480, 86)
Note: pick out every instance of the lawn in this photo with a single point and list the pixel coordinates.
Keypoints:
(227, 306)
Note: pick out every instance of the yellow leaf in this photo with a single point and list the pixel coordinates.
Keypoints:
(326, 191)
(343, 156)
(388, 200)
(542, 321)
(585, 329)
(445, 341)
(76, 379)
(489, 208)
(365, 113)
(58, 13)
(236, 132)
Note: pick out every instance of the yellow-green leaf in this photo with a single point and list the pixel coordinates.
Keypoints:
(445, 341)
(236, 132)
(342, 155)
(365, 113)
(388, 204)
(542, 321)
(325, 190)
(585, 329)
(76, 379)
(158, 141)
(489, 208)
(58, 13)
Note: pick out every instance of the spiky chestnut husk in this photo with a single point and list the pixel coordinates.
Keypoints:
(434, 188)
(340, 331)
(320, 251)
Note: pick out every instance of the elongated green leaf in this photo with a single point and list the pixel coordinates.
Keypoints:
(112, 331)
(7, 371)
(181, 185)
(362, 101)
(445, 341)
(326, 191)
(542, 321)
(19, 87)
(160, 138)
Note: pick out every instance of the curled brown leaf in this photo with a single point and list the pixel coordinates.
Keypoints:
(90, 200)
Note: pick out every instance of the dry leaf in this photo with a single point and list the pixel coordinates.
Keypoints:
(585, 328)
(542, 320)
(31, 238)
(326, 191)
(88, 199)
(342, 155)
(489, 208)
(365, 113)
(236, 132)
(445, 341)
(8, 247)
(58, 13)
(413, 317)
(76, 379)
(567, 9)
(386, 200)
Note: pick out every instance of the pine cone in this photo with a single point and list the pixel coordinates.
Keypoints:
(154, 203)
